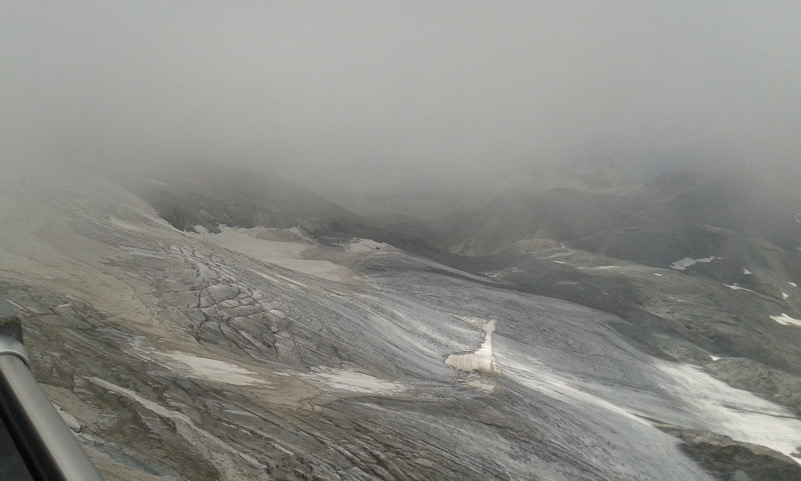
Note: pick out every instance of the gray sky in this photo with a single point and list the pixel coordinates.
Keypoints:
(403, 89)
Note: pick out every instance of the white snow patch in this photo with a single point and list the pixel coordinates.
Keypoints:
(292, 283)
(657, 274)
(785, 295)
(481, 360)
(21, 308)
(736, 287)
(786, 320)
(282, 247)
(715, 358)
(150, 405)
(686, 262)
(215, 370)
(200, 229)
(70, 420)
(481, 384)
(559, 262)
(356, 381)
(694, 399)
(369, 245)
(257, 243)
(742, 415)
(793, 284)
(747, 272)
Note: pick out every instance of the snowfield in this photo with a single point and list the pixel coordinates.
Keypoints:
(786, 320)
(480, 360)
(683, 264)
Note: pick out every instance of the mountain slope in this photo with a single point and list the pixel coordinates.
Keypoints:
(699, 264)
(211, 195)
(176, 355)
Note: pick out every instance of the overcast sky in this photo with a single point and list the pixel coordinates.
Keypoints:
(328, 89)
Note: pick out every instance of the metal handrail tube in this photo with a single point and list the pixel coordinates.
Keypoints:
(49, 448)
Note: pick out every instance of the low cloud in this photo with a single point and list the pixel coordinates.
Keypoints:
(346, 93)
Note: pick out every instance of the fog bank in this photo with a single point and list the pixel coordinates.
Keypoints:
(357, 91)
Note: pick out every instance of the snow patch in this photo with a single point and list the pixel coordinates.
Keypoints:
(21, 308)
(785, 295)
(356, 382)
(260, 243)
(71, 421)
(715, 358)
(691, 398)
(481, 384)
(559, 262)
(686, 262)
(369, 245)
(657, 274)
(214, 370)
(793, 284)
(481, 360)
(736, 287)
(747, 272)
(739, 414)
(786, 320)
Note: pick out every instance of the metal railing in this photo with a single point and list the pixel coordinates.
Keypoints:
(47, 446)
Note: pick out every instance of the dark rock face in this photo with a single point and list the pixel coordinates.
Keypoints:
(206, 197)
(211, 196)
(751, 206)
(734, 461)
(752, 376)
(748, 221)
(10, 324)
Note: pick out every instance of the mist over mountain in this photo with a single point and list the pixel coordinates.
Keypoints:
(216, 194)
(456, 241)
(347, 95)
